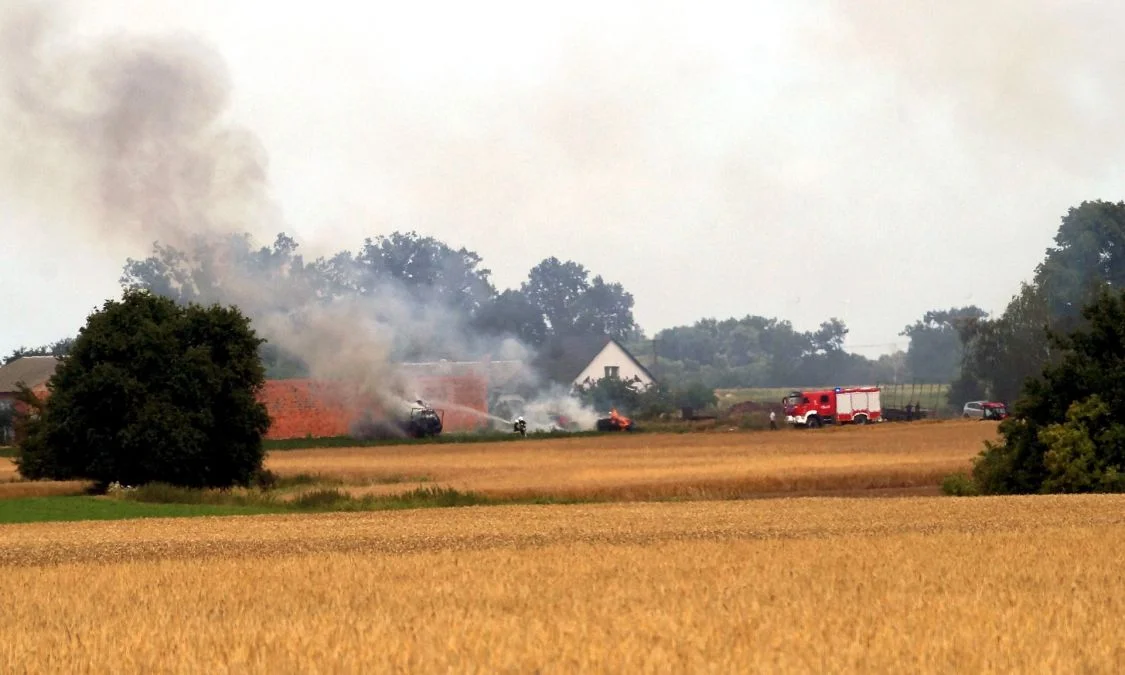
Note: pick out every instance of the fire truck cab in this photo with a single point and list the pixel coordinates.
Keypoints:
(841, 405)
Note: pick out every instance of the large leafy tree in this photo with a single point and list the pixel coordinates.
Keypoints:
(232, 269)
(428, 269)
(605, 308)
(572, 304)
(511, 314)
(153, 390)
(1067, 434)
(1089, 251)
(829, 337)
(935, 348)
(555, 288)
(1002, 352)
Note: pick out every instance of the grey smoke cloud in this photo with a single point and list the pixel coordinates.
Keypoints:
(706, 156)
(1038, 80)
(125, 135)
(129, 139)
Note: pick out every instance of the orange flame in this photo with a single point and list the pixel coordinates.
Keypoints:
(618, 419)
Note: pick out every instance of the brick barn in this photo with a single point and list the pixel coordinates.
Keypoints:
(33, 371)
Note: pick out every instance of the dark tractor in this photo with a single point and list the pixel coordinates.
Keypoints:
(423, 422)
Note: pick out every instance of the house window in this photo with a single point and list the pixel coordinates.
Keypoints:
(611, 371)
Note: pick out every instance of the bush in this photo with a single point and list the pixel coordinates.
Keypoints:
(322, 499)
(659, 399)
(611, 392)
(437, 496)
(264, 479)
(696, 395)
(959, 485)
(1076, 459)
(1066, 434)
(153, 392)
(163, 493)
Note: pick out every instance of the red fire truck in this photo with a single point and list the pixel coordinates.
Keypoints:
(842, 405)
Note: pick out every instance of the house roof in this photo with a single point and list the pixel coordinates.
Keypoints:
(31, 370)
(564, 359)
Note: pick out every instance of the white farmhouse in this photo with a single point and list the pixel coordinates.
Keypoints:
(587, 359)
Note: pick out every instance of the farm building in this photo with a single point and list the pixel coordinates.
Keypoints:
(33, 371)
(587, 359)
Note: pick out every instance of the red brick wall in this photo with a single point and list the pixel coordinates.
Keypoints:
(300, 408)
(462, 398)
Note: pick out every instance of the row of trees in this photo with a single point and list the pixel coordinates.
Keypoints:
(753, 351)
(757, 351)
(400, 273)
(986, 357)
(558, 298)
(1058, 352)
(983, 356)
(1002, 352)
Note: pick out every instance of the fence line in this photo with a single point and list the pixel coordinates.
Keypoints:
(932, 397)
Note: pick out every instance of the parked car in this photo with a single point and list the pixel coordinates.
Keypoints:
(985, 410)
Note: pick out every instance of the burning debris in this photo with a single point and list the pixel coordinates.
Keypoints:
(615, 422)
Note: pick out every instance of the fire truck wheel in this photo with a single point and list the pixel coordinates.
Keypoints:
(813, 423)
(861, 419)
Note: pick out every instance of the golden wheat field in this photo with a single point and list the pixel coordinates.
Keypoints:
(892, 457)
(930, 584)
(884, 459)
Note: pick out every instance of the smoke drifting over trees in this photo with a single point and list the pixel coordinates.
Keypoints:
(129, 139)
(125, 135)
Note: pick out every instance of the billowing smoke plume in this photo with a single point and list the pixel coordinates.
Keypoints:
(125, 135)
(694, 142)
(1031, 80)
(555, 410)
(128, 139)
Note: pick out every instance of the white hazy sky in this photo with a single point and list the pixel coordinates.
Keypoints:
(869, 160)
